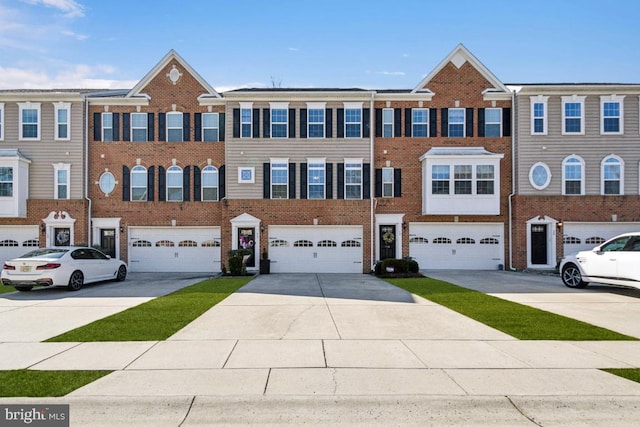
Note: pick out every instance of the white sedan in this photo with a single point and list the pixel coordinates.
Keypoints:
(615, 262)
(71, 267)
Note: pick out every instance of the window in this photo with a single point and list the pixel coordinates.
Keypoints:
(279, 178)
(539, 176)
(387, 122)
(456, 122)
(1, 121)
(573, 115)
(246, 118)
(246, 175)
(29, 120)
(316, 179)
(612, 175)
(138, 184)
(107, 127)
(139, 127)
(485, 179)
(611, 114)
(387, 182)
(62, 115)
(174, 184)
(353, 122)
(462, 179)
(107, 183)
(6, 182)
(174, 127)
(353, 179)
(539, 115)
(61, 181)
(572, 168)
(315, 121)
(493, 122)
(279, 119)
(440, 179)
(210, 127)
(209, 184)
(420, 122)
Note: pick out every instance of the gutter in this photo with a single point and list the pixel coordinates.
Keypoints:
(372, 172)
(86, 174)
(514, 106)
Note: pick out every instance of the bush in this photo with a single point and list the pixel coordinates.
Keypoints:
(394, 267)
(236, 266)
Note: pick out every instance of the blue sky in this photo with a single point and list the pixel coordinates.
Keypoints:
(368, 44)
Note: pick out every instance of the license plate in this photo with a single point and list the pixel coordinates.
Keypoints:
(25, 268)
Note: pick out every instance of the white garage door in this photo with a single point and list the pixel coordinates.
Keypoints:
(16, 240)
(471, 246)
(317, 249)
(583, 236)
(174, 249)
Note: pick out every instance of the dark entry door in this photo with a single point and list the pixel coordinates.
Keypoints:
(108, 241)
(539, 244)
(387, 241)
(247, 240)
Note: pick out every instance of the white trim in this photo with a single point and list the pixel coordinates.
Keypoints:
(573, 99)
(146, 127)
(57, 106)
(317, 160)
(216, 121)
(317, 106)
(464, 122)
(115, 182)
(246, 106)
(551, 241)
(540, 99)
(273, 161)
(174, 113)
(61, 167)
(204, 171)
(413, 122)
(175, 169)
(620, 163)
(29, 106)
(353, 161)
(486, 122)
(250, 180)
(385, 123)
(533, 184)
(102, 126)
(279, 106)
(55, 220)
(388, 182)
(2, 124)
(99, 223)
(146, 183)
(582, 175)
(612, 98)
(389, 219)
(246, 220)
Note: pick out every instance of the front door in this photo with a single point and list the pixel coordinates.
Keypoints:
(247, 240)
(539, 244)
(108, 241)
(387, 241)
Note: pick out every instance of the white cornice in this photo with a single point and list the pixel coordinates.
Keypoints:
(40, 96)
(142, 101)
(413, 96)
(299, 96)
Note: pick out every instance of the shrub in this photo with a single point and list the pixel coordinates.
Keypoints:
(394, 267)
(236, 266)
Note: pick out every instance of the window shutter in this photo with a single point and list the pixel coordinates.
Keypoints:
(150, 127)
(255, 123)
(303, 123)
(340, 180)
(408, 120)
(126, 126)
(468, 116)
(116, 126)
(197, 126)
(162, 126)
(186, 126)
(481, 122)
(303, 180)
(340, 130)
(366, 122)
(444, 122)
(151, 183)
(266, 123)
(433, 122)
(292, 123)
(328, 122)
(397, 122)
(292, 180)
(266, 181)
(97, 126)
(366, 181)
(328, 181)
(378, 189)
(397, 183)
(236, 123)
(197, 184)
(378, 122)
(506, 122)
(162, 184)
(222, 126)
(126, 181)
(186, 184)
(222, 183)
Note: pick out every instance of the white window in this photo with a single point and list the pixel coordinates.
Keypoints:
(539, 176)
(107, 183)
(246, 120)
(174, 127)
(6, 181)
(440, 177)
(1, 121)
(210, 127)
(612, 172)
(174, 184)
(456, 122)
(139, 127)
(29, 120)
(485, 179)
(353, 120)
(420, 122)
(387, 182)
(316, 178)
(539, 115)
(107, 127)
(246, 175)
(612, 114)
(387, 122)
(315, 120)
(63, 117)
(353, 178)
(573, 115)
(279, 120)
(61, 181)
(138, 184)
(279, 178)
(209, 184)
(493, 122)
(462, 179)
(573, 175)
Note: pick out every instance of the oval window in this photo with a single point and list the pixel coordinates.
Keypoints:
(539, 176)
(107, 183)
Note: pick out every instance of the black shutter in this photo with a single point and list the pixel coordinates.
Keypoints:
(378, 122)
(468, 115)
(97, 126)
(236, 123)
(340, 180)
(444, 122)
(397, 122)
(328, 191)
(397, 183)
(197, 184)
(186, 184)
(292, 180)
(222, 183)
(162, 126)
(366, 122)
(162, 189)
(222, 126)
(126, 126)
(366, 181)
(378, 189)
(266, 123)
(197, 126)
(126, 181)
(266, 181)
(303, 180)
(255, 123)
(328, 122)
(340, 123)
(116, 126)
(150, 127)
(151, 183)
(481, 122)
(186, 126)
(303, 123)
(292, 123)
(506, 121)
(433, 122)
(408, 120)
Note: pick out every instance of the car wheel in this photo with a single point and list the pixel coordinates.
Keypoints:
(122, 273)
(572, 277)
(76, 280)
(23, 288)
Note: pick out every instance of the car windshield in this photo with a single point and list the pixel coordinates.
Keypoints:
(49, 253)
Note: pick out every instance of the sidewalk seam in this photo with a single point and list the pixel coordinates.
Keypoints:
(522, 413)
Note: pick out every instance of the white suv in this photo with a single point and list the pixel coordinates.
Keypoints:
(615, 262)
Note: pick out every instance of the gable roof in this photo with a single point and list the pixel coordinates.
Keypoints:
(458, 57)
(171, 55)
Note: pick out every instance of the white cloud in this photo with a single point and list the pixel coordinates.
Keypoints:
(70, 8)
(391, 73)
(75, 35)
(294, 49)
(75, 77)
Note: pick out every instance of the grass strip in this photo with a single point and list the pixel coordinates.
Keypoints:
(5, 289)
(518, 320)
(28, 383)
(159, 318)
(632, 374)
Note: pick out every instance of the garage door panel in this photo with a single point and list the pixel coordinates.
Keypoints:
(17, 240)
(584, 236)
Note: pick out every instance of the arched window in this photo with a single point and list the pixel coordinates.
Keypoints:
(138, 184)
(573, 175)
(174, 184)
(209, 184)
(612, 173)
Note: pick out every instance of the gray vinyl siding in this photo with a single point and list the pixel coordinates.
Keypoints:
(593, 147)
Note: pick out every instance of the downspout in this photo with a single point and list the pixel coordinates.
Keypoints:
(86, 172)
(372, 192)
(514, 106)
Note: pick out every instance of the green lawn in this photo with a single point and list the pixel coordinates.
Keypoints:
(159, 318)
(4, 289)
(28, 383)
(632, 374)
(520, 321)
